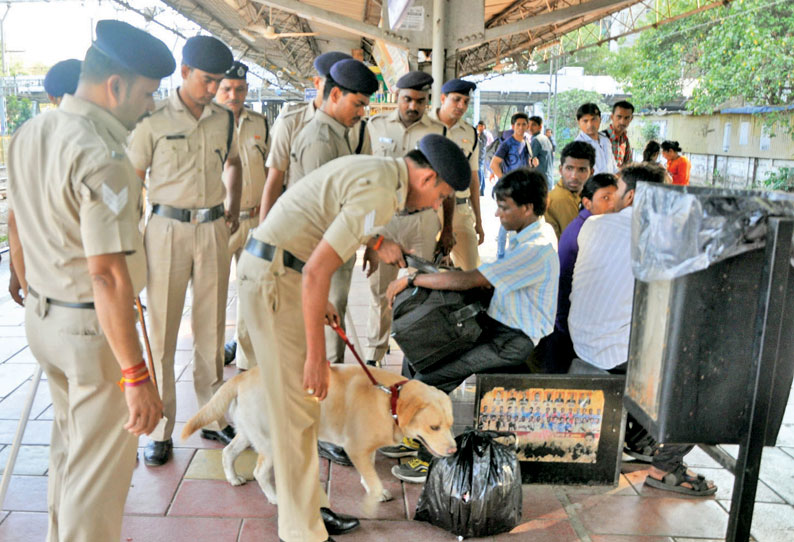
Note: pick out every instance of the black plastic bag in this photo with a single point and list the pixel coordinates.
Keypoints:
(475, 492)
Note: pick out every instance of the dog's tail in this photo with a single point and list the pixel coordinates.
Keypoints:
(215, 409)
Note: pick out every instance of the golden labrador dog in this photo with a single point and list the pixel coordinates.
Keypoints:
(355, 415)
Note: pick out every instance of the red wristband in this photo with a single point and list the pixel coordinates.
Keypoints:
(378, 243)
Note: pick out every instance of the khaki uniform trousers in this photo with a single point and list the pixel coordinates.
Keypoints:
(178, 253)
(417, 232)
(340, 289)
(270, 303)
(465, 253)
(236, 245)
(91, 455)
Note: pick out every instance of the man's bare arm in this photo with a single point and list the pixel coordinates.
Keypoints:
(474, 197)
(274, 186)
(233, 179)
(17, 285)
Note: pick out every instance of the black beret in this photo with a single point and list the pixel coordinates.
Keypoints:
(416, 80)
(207, 54)
(354, 75)
(136, 50)
(458, 85)
(237, 71)
(324, 62)
(447, 159)
(62, 78)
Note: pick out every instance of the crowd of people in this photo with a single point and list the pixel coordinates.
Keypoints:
(292, 203)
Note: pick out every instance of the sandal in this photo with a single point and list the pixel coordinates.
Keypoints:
(645, 455)
(672, 481)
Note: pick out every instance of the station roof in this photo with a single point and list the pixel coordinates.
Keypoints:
(487, 30)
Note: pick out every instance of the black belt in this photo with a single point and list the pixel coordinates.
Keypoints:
(194, 216)
(461, 201)
(267, 251)
(67, 304)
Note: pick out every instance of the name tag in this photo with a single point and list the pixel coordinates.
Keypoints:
(175, 136)
(386, 140)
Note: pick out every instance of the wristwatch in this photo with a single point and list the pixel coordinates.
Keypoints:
(411, 279)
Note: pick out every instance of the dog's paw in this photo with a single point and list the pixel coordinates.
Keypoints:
(236, 480)
(385, 496)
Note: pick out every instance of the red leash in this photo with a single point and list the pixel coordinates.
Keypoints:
(393, 390)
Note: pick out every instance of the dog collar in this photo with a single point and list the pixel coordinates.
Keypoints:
(394, 392)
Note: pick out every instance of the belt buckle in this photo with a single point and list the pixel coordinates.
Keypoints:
(197, 216)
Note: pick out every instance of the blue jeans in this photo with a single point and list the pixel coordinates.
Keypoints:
(501, 242)
(481, 173)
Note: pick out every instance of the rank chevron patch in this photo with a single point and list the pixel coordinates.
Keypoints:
(115, 202)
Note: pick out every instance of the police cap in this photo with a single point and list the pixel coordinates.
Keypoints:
(324, 62)
(458, 85)
(208, 54)
(62, 78)
(136, 50)
(416, 80)
(354, 75)
(447, 159)
(237, 71)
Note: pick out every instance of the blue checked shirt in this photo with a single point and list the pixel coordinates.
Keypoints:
(525, 283)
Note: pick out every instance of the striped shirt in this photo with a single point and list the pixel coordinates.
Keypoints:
(525, 283)
(603, 288)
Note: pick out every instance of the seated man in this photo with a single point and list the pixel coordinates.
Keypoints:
(522, 308)
(600, 319)
(576, 166)
(555, 352)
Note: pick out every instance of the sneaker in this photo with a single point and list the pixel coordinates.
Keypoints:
(407, 448)
(414, 471)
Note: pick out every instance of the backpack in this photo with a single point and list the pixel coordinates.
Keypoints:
(433, 325)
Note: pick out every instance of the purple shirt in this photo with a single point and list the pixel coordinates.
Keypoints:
(568, 250)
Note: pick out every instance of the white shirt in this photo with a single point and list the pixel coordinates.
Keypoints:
(605, 160)
(603, 290)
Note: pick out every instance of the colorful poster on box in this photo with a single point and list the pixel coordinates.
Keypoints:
(392, 61)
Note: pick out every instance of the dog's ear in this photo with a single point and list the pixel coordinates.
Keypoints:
(409, 403)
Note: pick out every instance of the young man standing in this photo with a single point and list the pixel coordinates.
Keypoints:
(589, 118)
(622, 114)
(542, 149)
(512, 154)
(522, 308)
(576, 166)
(285, 277)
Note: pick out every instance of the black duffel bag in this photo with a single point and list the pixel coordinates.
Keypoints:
(433, 325)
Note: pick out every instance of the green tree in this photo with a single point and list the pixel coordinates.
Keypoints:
(739, 51)
(566, 105)
(18, 110)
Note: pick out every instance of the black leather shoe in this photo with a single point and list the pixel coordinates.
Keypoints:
(225, 435)
(338, 523)
(158, 452)
(334, 453)
(229, 352)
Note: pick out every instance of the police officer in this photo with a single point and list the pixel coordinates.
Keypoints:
(285, 276)
(253, 139)
(394, 134)
(186, 144)
(77, 204)
(464, 211)
(293, 118)
(346, 93)
(62, 79)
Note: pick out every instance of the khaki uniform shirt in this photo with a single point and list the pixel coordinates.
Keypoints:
(389, 137)
(74, 194)
(562, 209)
(253, 140)
(343, 202)
(291, 120)
(185, 156)
(323, 139)
(465, 136)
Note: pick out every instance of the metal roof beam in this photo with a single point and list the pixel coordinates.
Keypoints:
(336, 20)
(556, 16)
